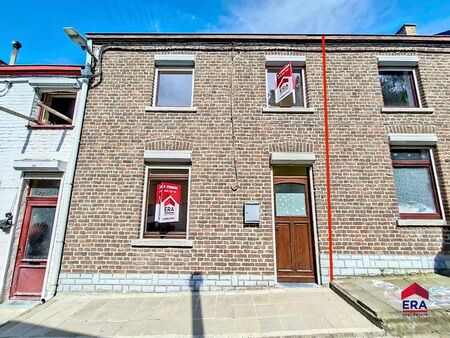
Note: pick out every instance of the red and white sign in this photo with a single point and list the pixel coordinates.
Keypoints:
(284, 83)
(168, 198)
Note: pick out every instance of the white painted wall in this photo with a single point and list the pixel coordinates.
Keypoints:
(17, 142)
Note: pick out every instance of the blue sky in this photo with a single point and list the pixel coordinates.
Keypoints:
(38, 24)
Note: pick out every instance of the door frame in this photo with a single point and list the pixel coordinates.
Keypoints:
(31, 201)
(5, 288)
(313, 221)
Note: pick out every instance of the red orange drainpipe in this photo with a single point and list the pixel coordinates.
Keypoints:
(327, 158)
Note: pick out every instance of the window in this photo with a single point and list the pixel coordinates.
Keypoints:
(44, 187)
(155, 227)
(174, 87)
(57, 108)
(399, 87)
(299, 97)
(416, 187)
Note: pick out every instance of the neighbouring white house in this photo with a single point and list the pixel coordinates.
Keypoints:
(41, 116)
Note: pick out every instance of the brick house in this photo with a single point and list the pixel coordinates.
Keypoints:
(198, 111)
(38, 148)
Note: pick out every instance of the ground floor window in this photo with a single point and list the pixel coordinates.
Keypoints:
(166, 202)
(415, 183)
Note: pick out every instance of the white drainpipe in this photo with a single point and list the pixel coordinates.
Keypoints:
(52, 274)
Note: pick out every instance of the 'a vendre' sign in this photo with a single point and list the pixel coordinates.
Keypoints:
(168, 197)
(284, 84)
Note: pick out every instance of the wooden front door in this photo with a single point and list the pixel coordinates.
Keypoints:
(34, 244)
(294, 237)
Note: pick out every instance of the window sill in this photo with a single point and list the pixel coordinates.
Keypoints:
(289, 110)
(149, 242)
(422, 222)
(171, 109)
(49, 126)
(407, 110)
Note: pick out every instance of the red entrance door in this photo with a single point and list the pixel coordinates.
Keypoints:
(34, 244)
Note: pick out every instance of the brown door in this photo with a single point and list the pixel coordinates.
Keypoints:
(34, 244)
(294, 239)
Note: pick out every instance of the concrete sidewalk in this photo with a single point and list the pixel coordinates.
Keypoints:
(310, 312)
(13, 308)
(379, 299)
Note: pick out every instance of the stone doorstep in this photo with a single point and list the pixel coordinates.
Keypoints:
(393, 322)
(360, 306)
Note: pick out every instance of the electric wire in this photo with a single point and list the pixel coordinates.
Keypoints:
(4, 91)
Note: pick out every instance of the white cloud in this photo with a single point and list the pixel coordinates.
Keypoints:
(304, 16)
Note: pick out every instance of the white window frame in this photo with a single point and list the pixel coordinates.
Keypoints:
(436, 181)
(57, 92)
(302, 74)
(173, 69)
(148, 167)
(437, 187)
(404, 69)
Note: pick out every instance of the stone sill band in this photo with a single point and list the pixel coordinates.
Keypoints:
(422, 222)
(289, 110)
(150, 242)
(407, 110)
(171, 109)
(51, 127)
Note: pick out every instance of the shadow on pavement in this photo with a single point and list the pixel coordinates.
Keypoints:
(196, 304)
(20, 329)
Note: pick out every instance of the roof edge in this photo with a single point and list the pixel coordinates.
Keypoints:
(143, 37)
(40, 70)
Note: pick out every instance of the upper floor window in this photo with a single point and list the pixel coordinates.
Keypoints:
(57, 108)
(298, 74)
(415, 183)
(399, 87)
(174, 87)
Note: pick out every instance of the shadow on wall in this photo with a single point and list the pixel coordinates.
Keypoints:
(15, 328)
(27, 141)
(195, 283)
(61, 140)
(442, 259)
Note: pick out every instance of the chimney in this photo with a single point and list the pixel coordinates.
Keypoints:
(15, 50)
(407, 29)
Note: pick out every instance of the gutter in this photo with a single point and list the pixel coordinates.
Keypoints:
(53, 269)
(108, 38)
(36, 70)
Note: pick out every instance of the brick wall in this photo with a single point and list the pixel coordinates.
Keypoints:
(107, 199)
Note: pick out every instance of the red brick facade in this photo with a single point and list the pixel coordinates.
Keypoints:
(107, 200)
